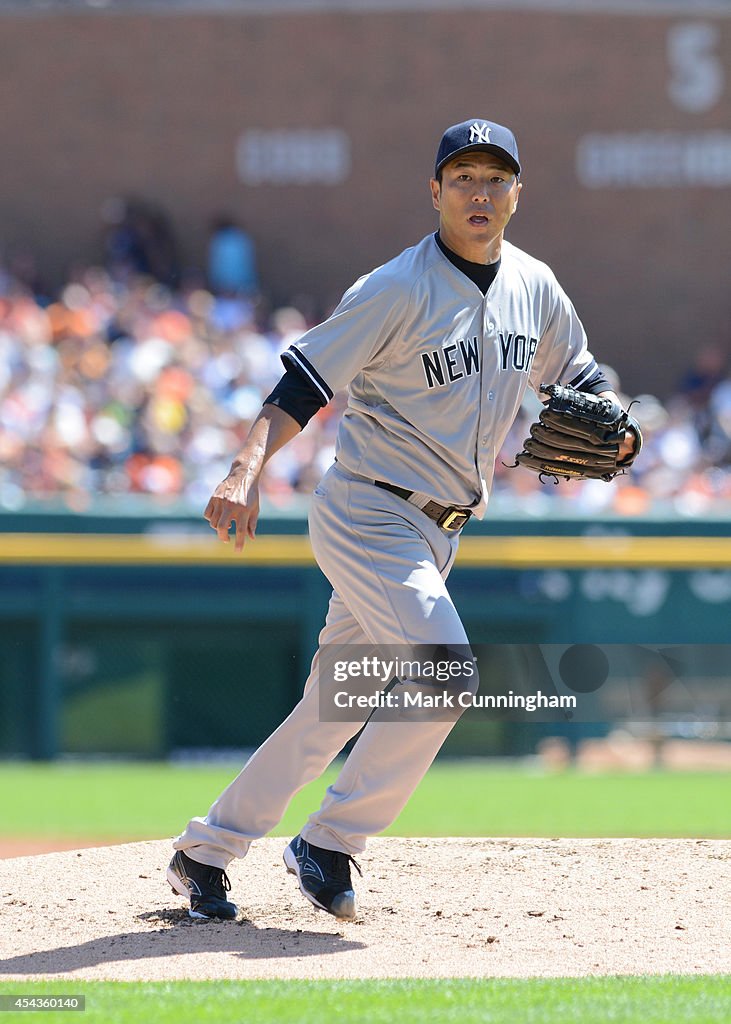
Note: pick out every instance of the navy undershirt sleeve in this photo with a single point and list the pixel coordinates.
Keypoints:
(296, 396)
(595, 384)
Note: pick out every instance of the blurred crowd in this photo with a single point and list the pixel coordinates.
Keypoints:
(133, 381)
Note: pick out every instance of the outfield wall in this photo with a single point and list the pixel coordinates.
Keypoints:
(132, 640)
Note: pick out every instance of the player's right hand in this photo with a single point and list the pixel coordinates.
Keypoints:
(235, 501)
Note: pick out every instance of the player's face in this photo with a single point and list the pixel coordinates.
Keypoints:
(477, 197)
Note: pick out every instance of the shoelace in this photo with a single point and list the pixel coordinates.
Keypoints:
(340, 866)
(219, 881)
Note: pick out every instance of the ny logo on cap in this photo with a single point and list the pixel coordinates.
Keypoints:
(479, 132)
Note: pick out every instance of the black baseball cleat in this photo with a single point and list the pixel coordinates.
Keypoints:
(323, 876)
(204, 885)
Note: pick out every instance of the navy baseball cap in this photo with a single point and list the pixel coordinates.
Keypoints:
(478, 134)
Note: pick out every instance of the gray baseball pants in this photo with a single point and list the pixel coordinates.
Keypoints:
(387, 563)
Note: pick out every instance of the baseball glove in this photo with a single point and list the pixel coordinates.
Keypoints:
(578, 436)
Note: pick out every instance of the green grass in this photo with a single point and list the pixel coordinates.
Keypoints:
(614, 1000)
(136, 801)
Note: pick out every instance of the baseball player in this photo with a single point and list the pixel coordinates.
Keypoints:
(436, 349)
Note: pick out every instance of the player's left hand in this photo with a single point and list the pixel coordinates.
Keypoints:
(581, 436)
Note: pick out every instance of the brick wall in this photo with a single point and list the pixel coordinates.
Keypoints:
(96, 105)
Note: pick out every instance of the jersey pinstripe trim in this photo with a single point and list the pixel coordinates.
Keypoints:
(596, 384)
(303, 364)
(584, 376)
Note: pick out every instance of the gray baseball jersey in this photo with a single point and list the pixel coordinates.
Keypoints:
(436, 371)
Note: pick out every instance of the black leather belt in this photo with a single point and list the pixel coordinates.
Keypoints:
(450, 518)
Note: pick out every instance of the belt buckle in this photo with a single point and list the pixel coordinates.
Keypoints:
(453, 519)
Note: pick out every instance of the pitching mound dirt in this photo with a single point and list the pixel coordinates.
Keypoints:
(427, 908)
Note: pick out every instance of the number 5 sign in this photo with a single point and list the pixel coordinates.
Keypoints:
(696, 73)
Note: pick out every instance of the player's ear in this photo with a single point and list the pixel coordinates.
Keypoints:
(436, 189)
(517, 196)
